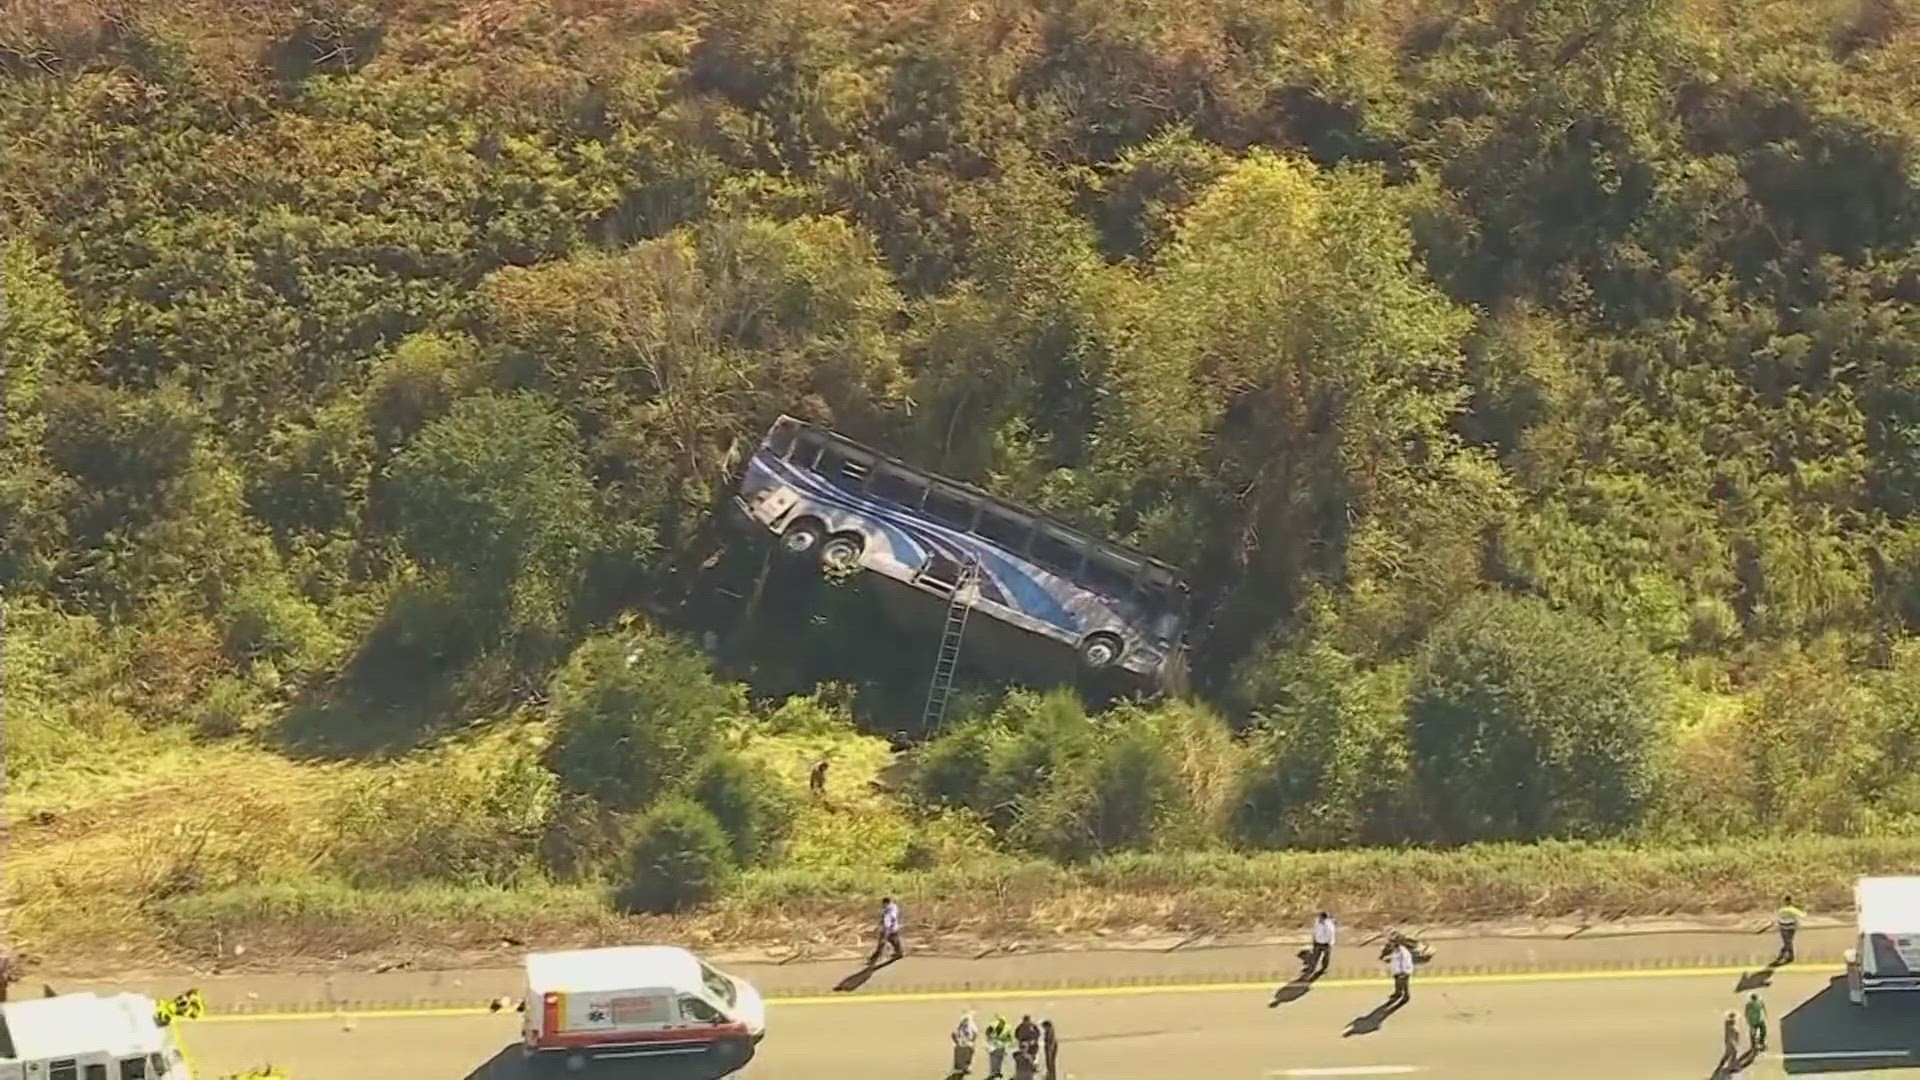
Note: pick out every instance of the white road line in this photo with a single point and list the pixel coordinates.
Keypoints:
(1811, 1056)
(1346, 1071)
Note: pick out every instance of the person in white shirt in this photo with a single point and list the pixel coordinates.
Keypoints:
(1400, 966)
(1322, 955)
(965, 1037)
(889, 932)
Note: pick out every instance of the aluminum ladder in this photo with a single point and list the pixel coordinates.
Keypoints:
(940, 689)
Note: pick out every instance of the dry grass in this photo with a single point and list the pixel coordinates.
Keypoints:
(177, 860)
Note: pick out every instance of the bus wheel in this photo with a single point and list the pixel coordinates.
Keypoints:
(1099, 651)
(802, 537)
(842, 551)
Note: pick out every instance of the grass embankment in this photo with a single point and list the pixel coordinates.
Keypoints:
(201, 849)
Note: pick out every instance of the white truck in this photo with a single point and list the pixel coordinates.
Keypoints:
(87, 1037)
(1886, 957)
(647, 1008)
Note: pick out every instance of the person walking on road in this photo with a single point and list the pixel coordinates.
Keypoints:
(1322, 955)
(1050, 1045)
(966, 1035)
(1400, 966)
(999, 1041)
(1788, 922)
(889, 932)
(1729, 1047)
(1756, 1023)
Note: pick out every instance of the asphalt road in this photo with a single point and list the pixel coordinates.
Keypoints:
(1647, 1025)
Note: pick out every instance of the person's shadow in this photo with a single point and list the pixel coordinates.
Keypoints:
(1754, 980)
(1368, 1023)
(859, 978)
(1297, 987)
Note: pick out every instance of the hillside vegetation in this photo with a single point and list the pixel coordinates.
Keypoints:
(1530, 388)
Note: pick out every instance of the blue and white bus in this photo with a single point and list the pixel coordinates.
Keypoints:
(831, 499)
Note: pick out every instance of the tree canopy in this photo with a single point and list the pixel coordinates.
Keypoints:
(334, 328)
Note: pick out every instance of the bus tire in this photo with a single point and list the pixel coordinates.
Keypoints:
(842, 551)
(1100, 651)
(802, 538)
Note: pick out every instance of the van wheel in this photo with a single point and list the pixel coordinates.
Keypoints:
(576, 1063)
(1100, 651)
(802, 538)
(842, 551)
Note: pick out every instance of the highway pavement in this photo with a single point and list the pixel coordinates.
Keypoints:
(1586, 1025)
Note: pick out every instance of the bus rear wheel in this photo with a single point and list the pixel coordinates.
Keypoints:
(842, 551)
(1099, 652)
(802, 538)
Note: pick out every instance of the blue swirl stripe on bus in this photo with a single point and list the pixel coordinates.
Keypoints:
(1030, 596)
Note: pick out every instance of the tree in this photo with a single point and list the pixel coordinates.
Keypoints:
(635, 712)
(493, 491)
(1527, 722)
(1329, 738)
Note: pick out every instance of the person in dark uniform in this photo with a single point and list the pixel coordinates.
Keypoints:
(1050, 1044)
(1026, 1054)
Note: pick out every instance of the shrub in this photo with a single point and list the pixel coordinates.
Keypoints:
(1134, 786)
(1047, 737)
(748, 801)
(229, 709)
(951, 770)
(264, 622)
(637, 711)
(1528, 722)
(680, 856)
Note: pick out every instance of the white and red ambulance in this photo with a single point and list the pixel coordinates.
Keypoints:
(639, 1004)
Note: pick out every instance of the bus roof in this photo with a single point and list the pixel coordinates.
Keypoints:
(1077, 533)
(47, 1029)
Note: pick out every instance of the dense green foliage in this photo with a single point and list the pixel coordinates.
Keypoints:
(1531, 390)
(680, 856)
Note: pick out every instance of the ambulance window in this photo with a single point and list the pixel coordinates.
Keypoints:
(64, 1070)
(699, 1011)
(133, 1069)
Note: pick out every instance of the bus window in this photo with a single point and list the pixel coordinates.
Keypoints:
(950, 508)
(1108, 577)
(1056, 552)
(896, 487)
(133, 1069)
(780, 439)
(844, 467)
(1005, 529)
(806, 448)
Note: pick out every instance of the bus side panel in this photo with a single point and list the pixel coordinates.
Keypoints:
(899, 542)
